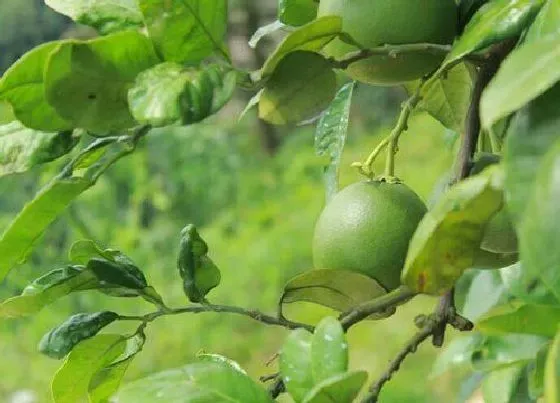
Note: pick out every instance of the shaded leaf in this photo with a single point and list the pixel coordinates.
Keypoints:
(303, 85)
(509, 90)
(536, 373)
(552, 372)
(70, 383)
(329, 350)
(199, 382)
(492, 23)
(501, 386)
(330, 135)
(336, 289)
(22, 148)
(104, 15)
(343, 388)
(61, 340)
(113, 273)
(458, 352)
(23, 87)
(169, 93)
(87, 82)
(539, 233)
(47, 289)
(526, 287)
(495, 352)
(534, 130)
(478, 293)
(297, 12)
(295, 363)
(199, 273)
(448, 238)
(186, 31)
(310, 37)
(517, 317)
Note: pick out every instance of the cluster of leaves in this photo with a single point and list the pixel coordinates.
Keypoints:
(159, 63)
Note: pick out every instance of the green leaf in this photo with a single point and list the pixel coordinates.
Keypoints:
(525, 287)
(22, 148)
(47, 289)
(119, 274)
(297, 12)
(536, 373)
(508, 91)
(264, 31)
(518, 317)
(343, 388)
(220, 359)
(186, 31)
(22, 85)
(6, 113)
(552, 372)
(330, 135)
(295, 363)
(22, 234)
(302, 86)
(104, 15)
(500, 386)
(169, 93)
(199, 273)
(61, 340)
(448, 98)
(457, 352)
(70, 383)
(495, 352)
(534, 130)
(87, 82)
(199, 382)
(329, 350)
(538, 232)
(494, 22)
(310, 37)
(105, 382)
(337, 289)
(477, 294)
(448, 238)
(547, 22)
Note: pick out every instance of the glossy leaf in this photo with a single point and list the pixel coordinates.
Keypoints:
(113, 273)
(310, 37)
(329, 350)
(186, 31)
(552, 372)
(194, 383)
(501, 386)
(337, 289)
(104, 15)
(22, 148)
(534, 130)
(447, 98)
(509, 90)
(448, 238)
(105, 382)
(296, 363)
(61, 340)
(547, 22)
(492, 23)
(517, 317)
(297, 12)
(47, 289)
(302, 86)
(22, 85)
(199, 273)
(536, 373)
(70, 383)
(330, 135)
(87, 82)
(495, 352)
(169, 93)
(22, 234)
(343, 388)
(539, 233)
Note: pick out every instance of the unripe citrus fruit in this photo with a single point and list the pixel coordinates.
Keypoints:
(373, 23)
(500, 235)
(366, 228)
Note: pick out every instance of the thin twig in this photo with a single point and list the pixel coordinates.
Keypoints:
(253, 314)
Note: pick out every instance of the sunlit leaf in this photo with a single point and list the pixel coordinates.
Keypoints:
(329, 350)
(501, 386)
(495, 352)
(552, 372)
(547, 22)
(295, 363)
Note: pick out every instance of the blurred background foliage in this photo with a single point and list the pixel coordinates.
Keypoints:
(253, 190)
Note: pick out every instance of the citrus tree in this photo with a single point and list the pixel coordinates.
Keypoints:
(486, 70)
